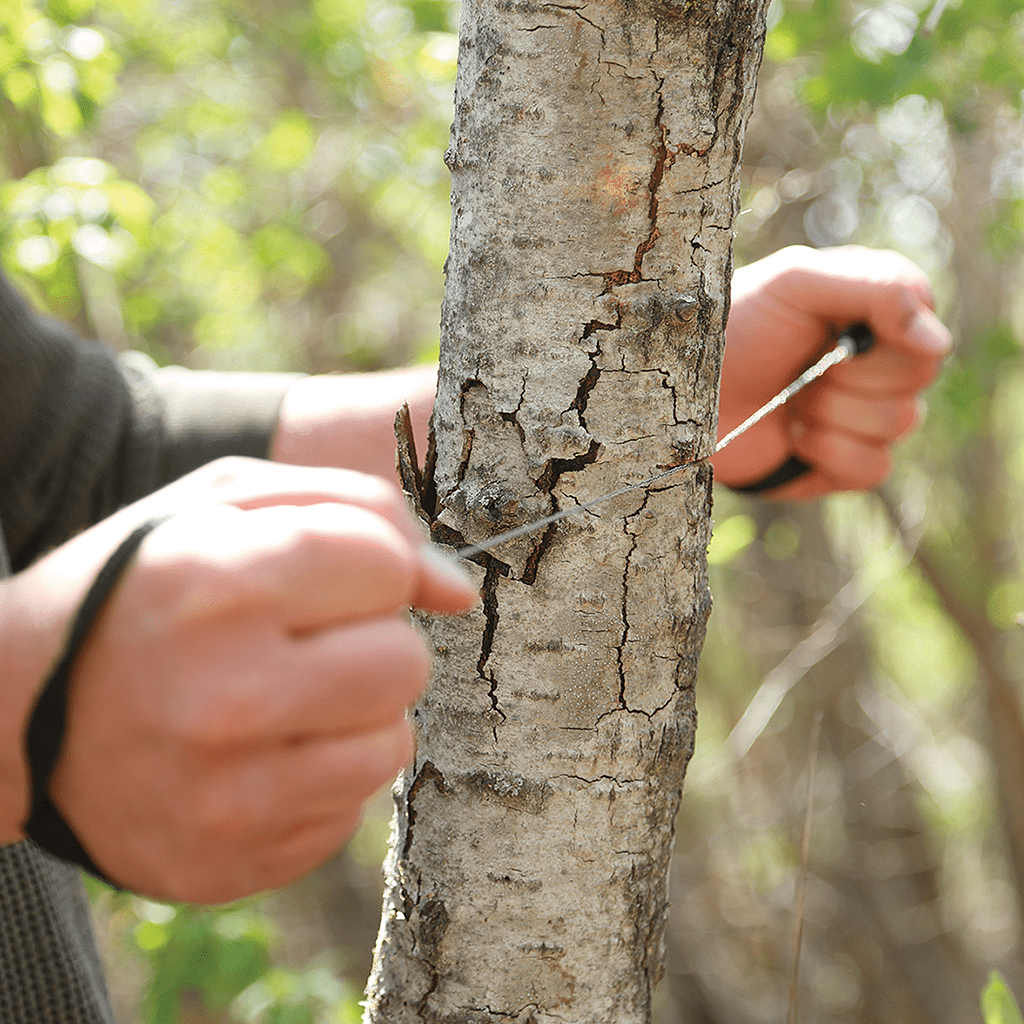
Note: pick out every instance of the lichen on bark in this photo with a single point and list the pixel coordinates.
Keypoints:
(594, 159)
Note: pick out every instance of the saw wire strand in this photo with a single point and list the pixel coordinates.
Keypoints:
(844, 349)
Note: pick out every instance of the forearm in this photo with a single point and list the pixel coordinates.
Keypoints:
(348, 420)
(84, 432)
(73, 441)
(28, 639)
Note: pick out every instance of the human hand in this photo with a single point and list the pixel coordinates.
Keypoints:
(244, 688)
(785, 309)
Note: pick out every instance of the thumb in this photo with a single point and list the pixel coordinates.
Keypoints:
(444, 586)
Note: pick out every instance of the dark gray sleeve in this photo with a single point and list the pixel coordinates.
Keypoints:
(205, 414)
(83, 432)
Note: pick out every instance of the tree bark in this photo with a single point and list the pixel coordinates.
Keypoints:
(594, 158)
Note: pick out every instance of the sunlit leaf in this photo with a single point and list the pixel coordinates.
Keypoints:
(289, 143)
(997, 1003)
(730, 538)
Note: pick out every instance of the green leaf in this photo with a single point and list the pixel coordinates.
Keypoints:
(997, 1003)
(288, 143)
(731, 538)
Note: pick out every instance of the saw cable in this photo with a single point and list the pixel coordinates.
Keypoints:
(852, 342)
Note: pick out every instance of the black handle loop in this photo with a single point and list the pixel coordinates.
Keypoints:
(44, 736)
(792, 469)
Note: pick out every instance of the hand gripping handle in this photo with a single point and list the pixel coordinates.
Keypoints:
(857, 339)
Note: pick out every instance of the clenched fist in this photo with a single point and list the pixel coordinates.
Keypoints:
(244, 688)
(784, 310)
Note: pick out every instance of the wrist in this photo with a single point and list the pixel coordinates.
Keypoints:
(36, 606)
(28, 641)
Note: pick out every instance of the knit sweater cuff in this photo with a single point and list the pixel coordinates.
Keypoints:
(207, 414)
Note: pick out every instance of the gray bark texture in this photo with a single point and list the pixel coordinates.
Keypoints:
(594, 156)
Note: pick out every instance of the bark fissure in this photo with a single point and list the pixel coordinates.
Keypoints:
(427, 773)
(664, 158)
(599, 325)
(556, 467)
(435, 977)
(578, 11)
(489, 600)
(467, 441)
(590, 378)
(532, 565)
(603, 778)
(625, 606)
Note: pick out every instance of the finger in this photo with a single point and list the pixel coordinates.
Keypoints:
(853, 283)
(315, 565)
(309, 566)
(872, 418)
(844, 461)
(283, 814)
(305, 849)
(255, 868)
(754, 454)
(348, 681)
(263, 685)
(254, 483)
(885, 370)
(329, 776)
(878, 402)
(251, 484)
(444, 585)
(261, 794)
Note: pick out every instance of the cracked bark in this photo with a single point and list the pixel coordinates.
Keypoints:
(581, 344)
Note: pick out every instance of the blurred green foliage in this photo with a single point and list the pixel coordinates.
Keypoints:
(874, 53)
(231, 184)
(220, 964)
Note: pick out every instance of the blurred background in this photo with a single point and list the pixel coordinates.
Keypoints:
(236, 184)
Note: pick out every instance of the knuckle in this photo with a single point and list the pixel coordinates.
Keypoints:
(297, 546)
(228, 470)
(183, 581)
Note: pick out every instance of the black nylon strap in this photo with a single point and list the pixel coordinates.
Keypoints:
(791, 469)
(44, 737)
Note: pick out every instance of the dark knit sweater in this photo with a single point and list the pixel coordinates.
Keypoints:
(82, 433)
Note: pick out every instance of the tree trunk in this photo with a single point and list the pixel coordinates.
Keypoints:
(594, 157)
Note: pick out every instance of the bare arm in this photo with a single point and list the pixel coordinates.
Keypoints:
(348, 420)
